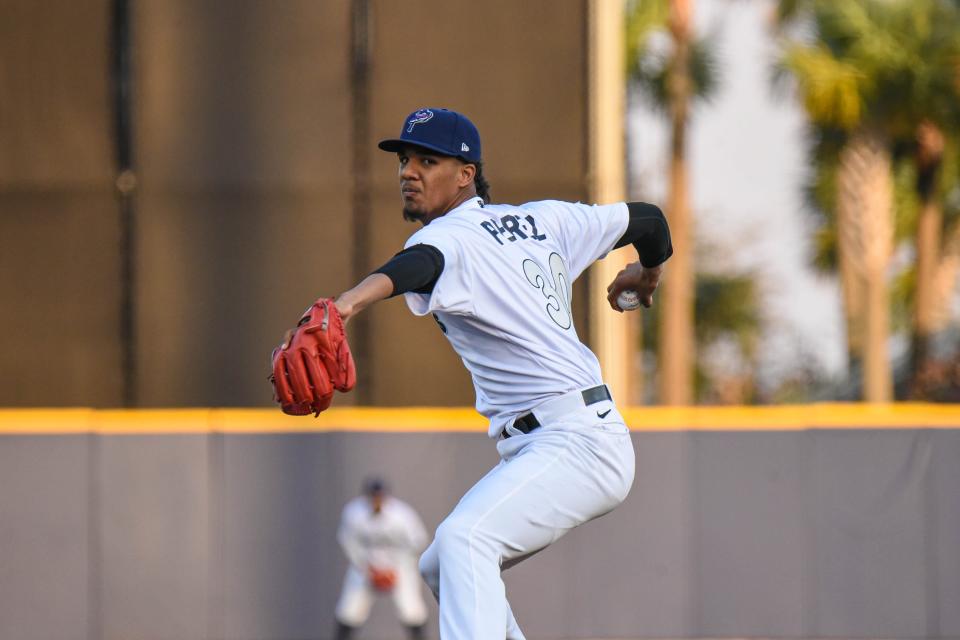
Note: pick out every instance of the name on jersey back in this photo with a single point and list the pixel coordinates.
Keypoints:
(513, 228)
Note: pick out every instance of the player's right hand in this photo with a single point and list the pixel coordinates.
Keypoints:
(643, 280)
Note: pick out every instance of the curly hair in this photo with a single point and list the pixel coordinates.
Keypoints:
(480, 182)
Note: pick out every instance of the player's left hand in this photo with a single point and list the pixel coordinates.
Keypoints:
(643, 280)
(313, 361)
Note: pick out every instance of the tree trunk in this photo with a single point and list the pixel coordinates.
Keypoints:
(854, 311)
(865, 215)
(926, 300)
(929, 159)
(877, 372)
(675, 356)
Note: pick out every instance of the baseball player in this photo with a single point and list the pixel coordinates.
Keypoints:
(382, 537)
(497, 279)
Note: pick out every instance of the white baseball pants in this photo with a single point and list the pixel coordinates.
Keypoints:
(357, 596)
(576, 467)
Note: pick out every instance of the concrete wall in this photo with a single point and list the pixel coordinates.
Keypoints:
(221, 534)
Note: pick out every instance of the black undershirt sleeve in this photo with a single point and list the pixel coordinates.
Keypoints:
(416, 269)
(648, 232)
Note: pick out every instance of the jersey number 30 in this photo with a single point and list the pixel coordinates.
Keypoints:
(556, 288)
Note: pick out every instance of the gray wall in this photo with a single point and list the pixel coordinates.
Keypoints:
(849, 533)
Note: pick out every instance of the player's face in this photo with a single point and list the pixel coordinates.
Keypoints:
(432, 184)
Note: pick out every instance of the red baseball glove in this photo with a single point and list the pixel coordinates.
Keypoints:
(383, 579)
(313, 360)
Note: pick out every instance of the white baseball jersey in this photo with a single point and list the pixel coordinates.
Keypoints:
(381, 540)
(504, 297)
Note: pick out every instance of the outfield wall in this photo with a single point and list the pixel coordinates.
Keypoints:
(824, 521)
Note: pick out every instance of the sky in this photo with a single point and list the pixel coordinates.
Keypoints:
(747, 171)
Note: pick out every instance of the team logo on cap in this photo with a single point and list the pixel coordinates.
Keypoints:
(419, 117)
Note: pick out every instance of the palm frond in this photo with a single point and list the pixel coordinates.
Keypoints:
(831, 89)
(727, 305)
(645, 18)
(789, 10)
(906, 203)
(652, 73)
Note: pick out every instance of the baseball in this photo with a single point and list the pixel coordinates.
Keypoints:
(628, 300)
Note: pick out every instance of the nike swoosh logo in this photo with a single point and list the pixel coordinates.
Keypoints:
(604, 414)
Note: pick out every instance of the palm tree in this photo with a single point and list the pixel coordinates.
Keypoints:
(865, 215)
(928, 81)
(673, 81)
(827, 257)
(937, 244)
(839, 78)
(884, 71)
(929, 159)
(821, 191)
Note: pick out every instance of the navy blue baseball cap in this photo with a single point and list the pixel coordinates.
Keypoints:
(374, 485)
(442, 130)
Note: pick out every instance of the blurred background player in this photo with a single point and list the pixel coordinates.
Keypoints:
(382, 537)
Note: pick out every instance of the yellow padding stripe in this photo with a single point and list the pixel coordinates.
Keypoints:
(173, 421)
(795, 417)
(427, 419)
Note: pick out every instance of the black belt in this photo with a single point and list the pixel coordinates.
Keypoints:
(528, 422)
